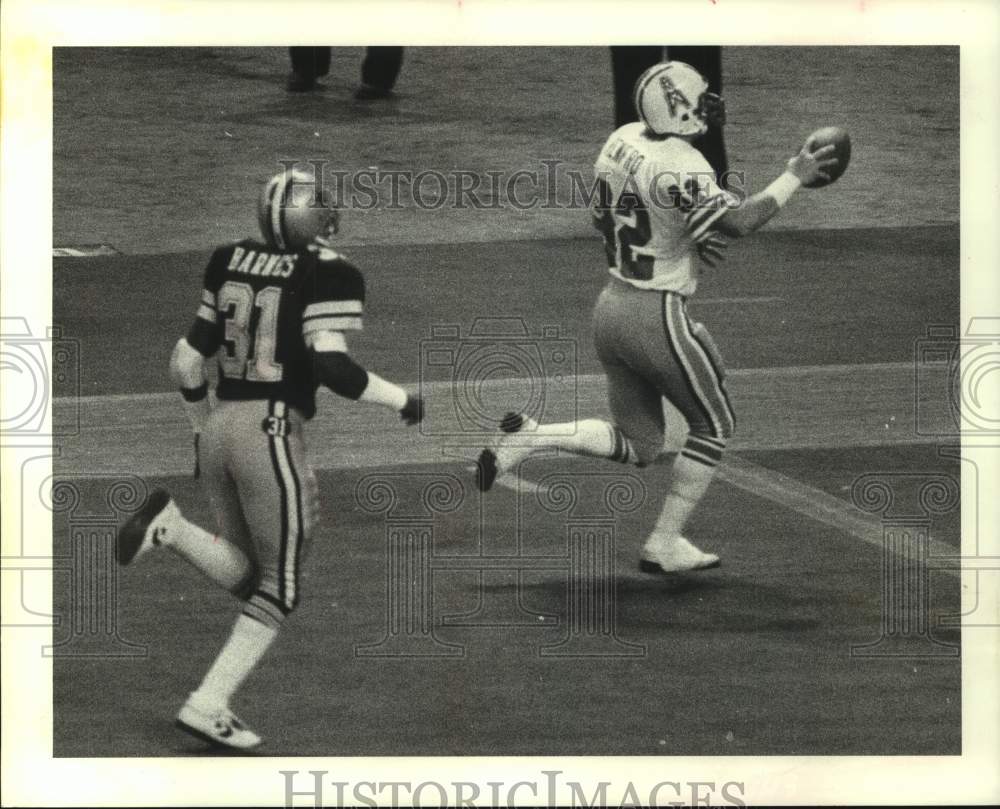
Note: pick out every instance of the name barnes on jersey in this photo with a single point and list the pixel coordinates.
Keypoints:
(252, 262)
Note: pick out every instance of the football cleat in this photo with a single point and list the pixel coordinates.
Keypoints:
(672, 98)
(676, 556)
(486, 470)
(219, 727)
(146, 528)
(512, 422)
(498, 458)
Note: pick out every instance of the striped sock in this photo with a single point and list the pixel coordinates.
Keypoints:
(704, 449)
(594, 437)
(691, 475)
(265, 607)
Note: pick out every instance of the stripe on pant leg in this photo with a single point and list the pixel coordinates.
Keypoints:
(288, 561)
(688, 382)
(700, 368)
(710, 358)
(291, 570)
(674, 330)
(283, 497)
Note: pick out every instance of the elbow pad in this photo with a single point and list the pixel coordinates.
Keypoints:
(340, 373)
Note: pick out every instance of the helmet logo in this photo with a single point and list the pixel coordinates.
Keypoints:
(672, 95)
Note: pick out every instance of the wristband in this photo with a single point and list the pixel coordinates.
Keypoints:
(379, 391)
(782, 189)
(195, 394)
(197, 411)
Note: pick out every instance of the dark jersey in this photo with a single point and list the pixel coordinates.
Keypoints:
(257, 311)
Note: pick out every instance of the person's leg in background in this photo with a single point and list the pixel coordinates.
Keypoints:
(707, 61)
(379, 72)
(308, 63)
(627, 64)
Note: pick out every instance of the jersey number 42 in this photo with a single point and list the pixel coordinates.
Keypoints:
(624, 224)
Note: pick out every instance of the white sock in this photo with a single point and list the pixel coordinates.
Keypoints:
(217, 558)
(593, 437)
(249, 640)
(691, 475)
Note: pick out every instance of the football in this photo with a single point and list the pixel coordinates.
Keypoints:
(841, 141)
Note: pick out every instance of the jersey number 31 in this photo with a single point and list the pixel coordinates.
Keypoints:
(251, 332)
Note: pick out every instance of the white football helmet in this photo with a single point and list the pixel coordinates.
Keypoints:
(672, 98)
(294, 210)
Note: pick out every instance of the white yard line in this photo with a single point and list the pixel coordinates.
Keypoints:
(800, 407)
(794, 495)
(777, 408)
(582, 380)
(799, 497)
(822, 507)
(745, 300)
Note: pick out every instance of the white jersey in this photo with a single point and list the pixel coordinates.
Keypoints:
(657, 200)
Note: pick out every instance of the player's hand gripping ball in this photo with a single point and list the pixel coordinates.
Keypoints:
(841, 142)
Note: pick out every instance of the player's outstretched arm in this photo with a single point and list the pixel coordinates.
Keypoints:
(187, 370)
(341, 374)
(804, 168)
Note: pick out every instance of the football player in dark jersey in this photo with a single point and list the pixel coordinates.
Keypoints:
(275, 314)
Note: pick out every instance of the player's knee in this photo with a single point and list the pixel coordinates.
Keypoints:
(267, 608)
(646, 450)
(728, 426)
(248, 585)
(706, 446)
(720, 430)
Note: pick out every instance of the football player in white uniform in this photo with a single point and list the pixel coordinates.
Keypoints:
(662, 216)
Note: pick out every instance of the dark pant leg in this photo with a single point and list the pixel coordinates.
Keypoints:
(380, 67)
(707, 61)
(627, 65)
(310, 62)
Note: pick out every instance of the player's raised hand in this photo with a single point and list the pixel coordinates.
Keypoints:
(812, 166)
(413, 411)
